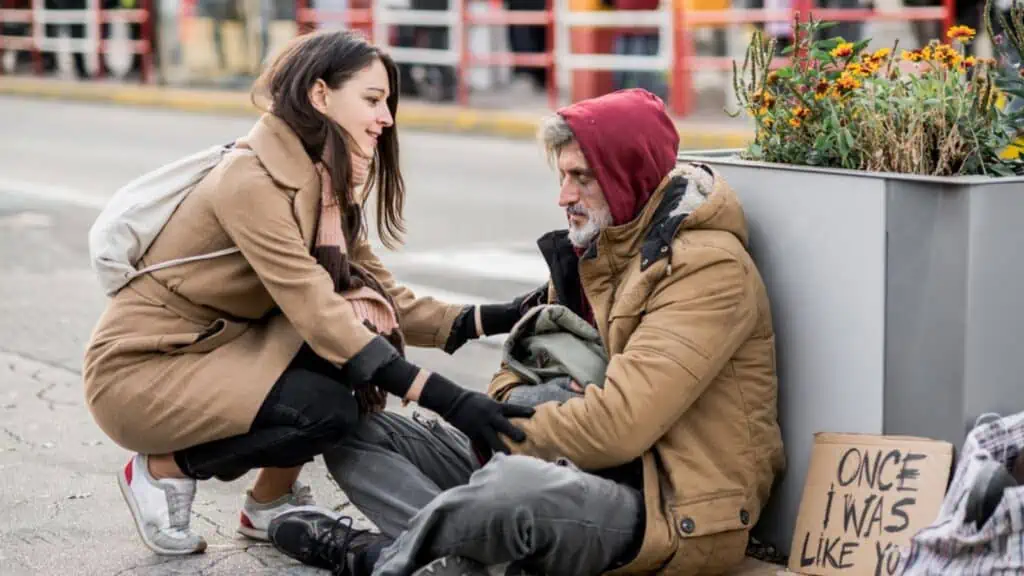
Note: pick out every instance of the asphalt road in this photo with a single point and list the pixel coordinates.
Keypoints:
(474, 208)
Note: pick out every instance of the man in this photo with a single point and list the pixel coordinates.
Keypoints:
(663, 468)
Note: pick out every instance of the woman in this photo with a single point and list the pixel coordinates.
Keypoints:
(263, 358)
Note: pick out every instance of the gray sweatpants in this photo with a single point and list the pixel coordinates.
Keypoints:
(419, 482)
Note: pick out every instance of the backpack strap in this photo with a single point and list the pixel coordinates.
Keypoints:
(231, 148)
(186, 260)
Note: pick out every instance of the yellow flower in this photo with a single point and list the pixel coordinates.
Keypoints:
(794, 122)
(912, 56)
(926, 52)
(846, 83)
(947, 55)
(768, 121)
(961, 33)
(881, 54)
(968, 63)
(764, 98)
(762, 111)
(855, 69)
(843, 50)
(821, 89)
(801, 112)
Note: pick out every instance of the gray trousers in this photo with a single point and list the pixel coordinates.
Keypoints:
(420, 483)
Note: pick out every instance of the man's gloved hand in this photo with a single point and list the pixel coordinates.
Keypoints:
(476, 415)
(500, 318)
(490, 319)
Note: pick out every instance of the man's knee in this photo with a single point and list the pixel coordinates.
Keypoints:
(511, 483)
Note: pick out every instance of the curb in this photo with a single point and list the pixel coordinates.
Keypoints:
(412, 116)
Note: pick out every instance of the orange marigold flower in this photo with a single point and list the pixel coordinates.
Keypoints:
(968, 63)
(762, 111)
(773, 77)
(801, 112)
(843, 50)
(926, 53)
(961, 33)
(768, 121)
(794, 122)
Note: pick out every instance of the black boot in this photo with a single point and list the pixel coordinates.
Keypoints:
(316, 537)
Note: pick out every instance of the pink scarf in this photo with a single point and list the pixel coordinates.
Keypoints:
(371, 303)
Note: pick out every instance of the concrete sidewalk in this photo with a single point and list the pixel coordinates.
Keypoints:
(695, 134)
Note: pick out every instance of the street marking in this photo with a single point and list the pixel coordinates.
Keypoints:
(498, 264)
(53, 193)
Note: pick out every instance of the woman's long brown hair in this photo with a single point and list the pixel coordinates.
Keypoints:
(334, 57)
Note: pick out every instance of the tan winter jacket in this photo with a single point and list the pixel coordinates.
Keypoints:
(691, 387)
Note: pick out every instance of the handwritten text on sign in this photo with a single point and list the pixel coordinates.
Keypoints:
(864, 499)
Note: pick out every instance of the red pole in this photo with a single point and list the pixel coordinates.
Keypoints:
(37, 55)
(147, 37)
(682, 83)
(462, 74)
(2, 8)
(300, 17)
(98, 12)
(551, 69)
(950, 16)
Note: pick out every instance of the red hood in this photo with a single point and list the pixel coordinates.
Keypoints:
(629, 142)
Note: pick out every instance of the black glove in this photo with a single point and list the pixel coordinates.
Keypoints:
(475, 414)
(478, 416)
(494, 318)
(500, 318)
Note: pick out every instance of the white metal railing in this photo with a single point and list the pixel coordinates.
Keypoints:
(92, 18)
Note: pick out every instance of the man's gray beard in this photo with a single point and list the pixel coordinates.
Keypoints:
(597, 220)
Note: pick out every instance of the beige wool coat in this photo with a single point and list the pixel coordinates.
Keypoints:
(187, 355)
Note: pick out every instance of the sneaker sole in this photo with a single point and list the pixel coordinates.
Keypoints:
(253, 533)
(453, 566)
(126, 493)
(262, 536)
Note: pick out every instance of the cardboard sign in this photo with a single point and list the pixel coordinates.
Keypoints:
(864, 499)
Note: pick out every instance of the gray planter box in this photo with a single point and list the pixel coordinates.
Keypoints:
(896, 301)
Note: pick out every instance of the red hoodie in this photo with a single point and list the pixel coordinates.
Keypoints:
(630, 143)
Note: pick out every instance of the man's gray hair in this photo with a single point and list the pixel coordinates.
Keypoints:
(554, 134)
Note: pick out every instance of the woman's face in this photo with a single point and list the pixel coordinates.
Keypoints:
(359, 105)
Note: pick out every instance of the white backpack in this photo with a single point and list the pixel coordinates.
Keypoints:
(137, 213)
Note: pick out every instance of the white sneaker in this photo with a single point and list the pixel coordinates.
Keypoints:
(162, 509)
(255, 517)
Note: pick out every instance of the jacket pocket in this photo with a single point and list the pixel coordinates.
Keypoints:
(710, 514)
(714, 530)
(217, 334)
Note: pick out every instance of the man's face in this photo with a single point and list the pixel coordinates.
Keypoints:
(581, 197)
